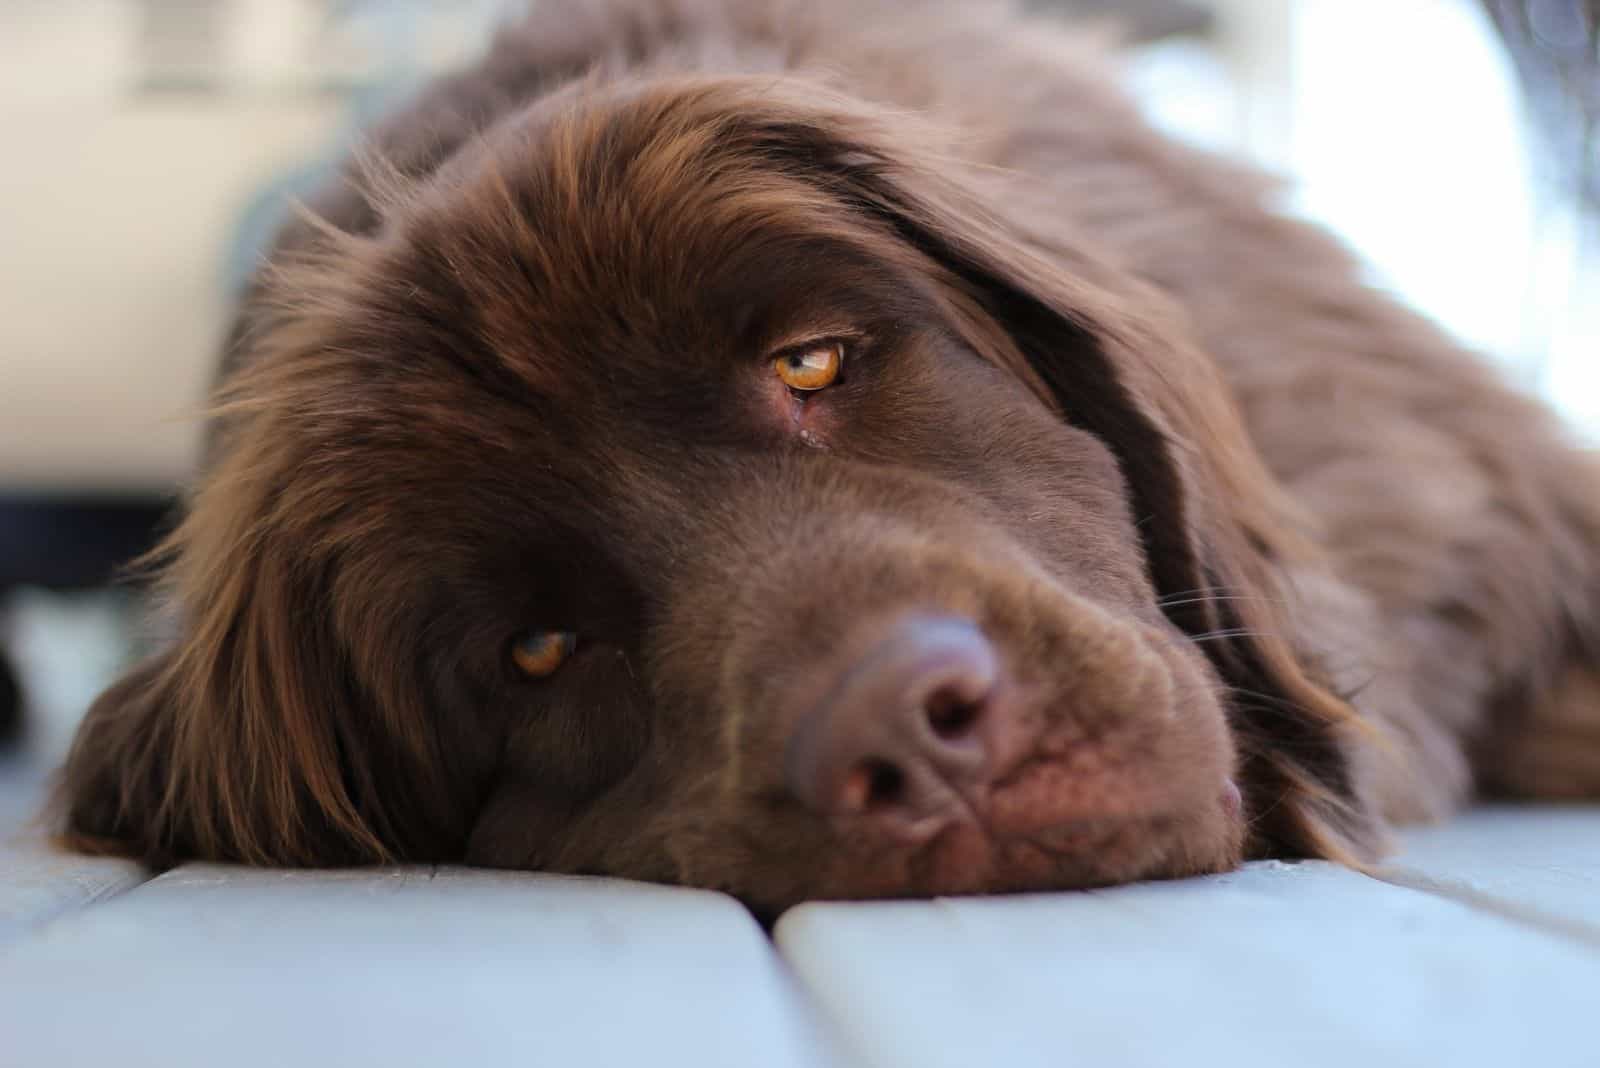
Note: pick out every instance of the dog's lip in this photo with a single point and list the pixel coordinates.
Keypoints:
(1232, 798)
(1041, 845)
(968, 858)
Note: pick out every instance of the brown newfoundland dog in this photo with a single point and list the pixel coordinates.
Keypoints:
(838, 449)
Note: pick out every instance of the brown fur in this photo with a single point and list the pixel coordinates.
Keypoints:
(1227, 513)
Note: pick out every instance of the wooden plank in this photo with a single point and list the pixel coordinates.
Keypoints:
(1305, 964)
(39, 883)
(216, 965)
(1537, 863)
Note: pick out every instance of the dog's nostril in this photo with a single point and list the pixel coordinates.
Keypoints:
(951, 714)
(874, 784)
(886, 784)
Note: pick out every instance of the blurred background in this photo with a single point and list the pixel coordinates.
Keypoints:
(150, 147)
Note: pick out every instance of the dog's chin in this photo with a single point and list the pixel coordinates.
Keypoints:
(1028, 838)
(1027, 842)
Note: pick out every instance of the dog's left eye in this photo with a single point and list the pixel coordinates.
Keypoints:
(538, 654)
(812, 368)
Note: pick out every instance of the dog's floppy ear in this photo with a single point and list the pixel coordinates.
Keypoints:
(285, 724)
(247, 740)
(1098, 346)
(227, 745)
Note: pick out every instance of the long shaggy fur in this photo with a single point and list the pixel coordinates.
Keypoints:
(1212, 453)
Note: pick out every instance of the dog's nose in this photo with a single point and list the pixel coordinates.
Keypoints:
(906, 736)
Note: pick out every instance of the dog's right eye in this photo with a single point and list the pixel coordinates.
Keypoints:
(538, 654)
(811, 368)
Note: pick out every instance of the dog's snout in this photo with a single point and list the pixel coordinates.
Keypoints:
(906, 736)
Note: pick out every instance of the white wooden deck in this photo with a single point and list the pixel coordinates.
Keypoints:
(1479, 945)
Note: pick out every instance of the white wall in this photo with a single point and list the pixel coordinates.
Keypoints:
(1397, 123)
(115, 216)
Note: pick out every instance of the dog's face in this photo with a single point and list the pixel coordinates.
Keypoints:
(687, 484)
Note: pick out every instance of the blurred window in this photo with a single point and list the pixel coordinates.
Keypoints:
(1399, 125)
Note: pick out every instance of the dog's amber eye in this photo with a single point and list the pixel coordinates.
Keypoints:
(811, 369)
(539, 653)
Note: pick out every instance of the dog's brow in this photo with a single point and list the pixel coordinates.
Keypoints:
(815, 334)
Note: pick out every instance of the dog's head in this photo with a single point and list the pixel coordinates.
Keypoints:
(694, 481)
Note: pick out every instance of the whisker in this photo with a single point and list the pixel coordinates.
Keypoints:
(1203, 599)
(1225, 588)
(1226, 635)
(1267, 698)
(1258, 817)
